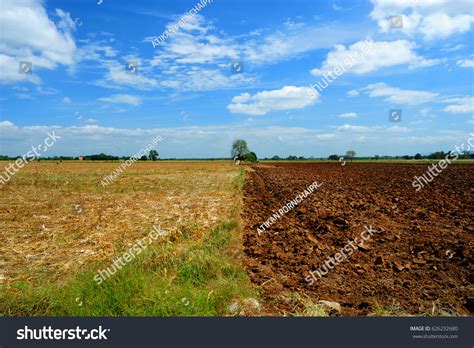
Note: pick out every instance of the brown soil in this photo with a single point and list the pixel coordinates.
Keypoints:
(420, 262)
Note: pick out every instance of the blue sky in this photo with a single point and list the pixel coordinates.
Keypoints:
(420, 62)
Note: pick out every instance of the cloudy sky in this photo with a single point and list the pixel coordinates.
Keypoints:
(90, 71)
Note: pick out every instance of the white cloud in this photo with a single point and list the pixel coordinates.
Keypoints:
(196, 42)
(118, 77)
(9, 71)
(353, 93)
(87, 120)
(29, 35)
(283, 45)
(453, 48)
(199, 42)
(5, 125)
(48, 91)
(395, 95)
(348, 115)
(95, 50)
(437, 19)
(198, 56)
(370, 130)
(364, 57)
(67, 100)
(425, 111)
(461, 105)
(465, 63)
(122, 99)
(261, 103)
(352, 128)
(203, 79)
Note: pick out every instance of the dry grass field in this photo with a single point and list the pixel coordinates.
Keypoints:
(58, 226)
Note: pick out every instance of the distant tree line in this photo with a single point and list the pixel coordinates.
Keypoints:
(352, 155)
(242, 153)
(152, 156)
(435, 155)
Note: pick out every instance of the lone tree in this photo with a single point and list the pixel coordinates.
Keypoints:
(239, 149)
(350, 154)
(153, 155)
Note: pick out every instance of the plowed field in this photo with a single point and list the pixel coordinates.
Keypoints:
(419, 262)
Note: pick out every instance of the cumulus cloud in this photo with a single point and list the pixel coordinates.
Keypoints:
(396, 95)
(438, 19)
(122, 99)
(28, 34)
(6, 125)
(261, 103)
(364, 57)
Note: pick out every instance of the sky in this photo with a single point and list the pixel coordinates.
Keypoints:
(305, 78)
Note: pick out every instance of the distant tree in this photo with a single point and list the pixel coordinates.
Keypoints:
(143, 158)
(239, 149)
(292, 158)
(376, 157)
(251, 157)
(153, 155)
(350, 154)
(301, 158)
(333, 158)
(437, 155)
(464, 155)
(418, 156)
(101, 157)
(276, 158)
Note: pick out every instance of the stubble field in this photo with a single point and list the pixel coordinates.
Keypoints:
(58, 226)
